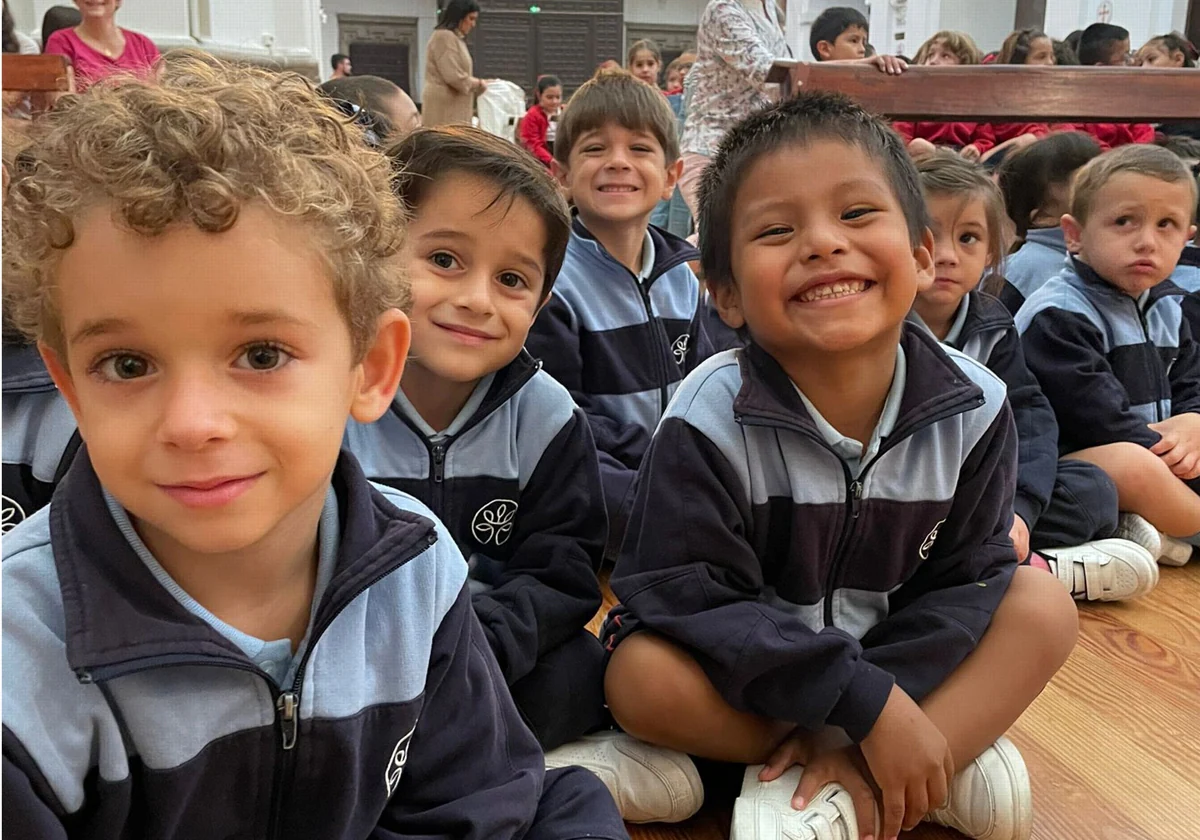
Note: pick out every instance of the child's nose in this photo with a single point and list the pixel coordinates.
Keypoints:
(195, 412)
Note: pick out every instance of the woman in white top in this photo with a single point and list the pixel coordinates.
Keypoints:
(737, 43)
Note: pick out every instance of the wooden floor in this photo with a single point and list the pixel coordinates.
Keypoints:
(1112, 745)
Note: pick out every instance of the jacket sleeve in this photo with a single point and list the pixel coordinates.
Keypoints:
(1037, 430)
(1066, 354)
(906, 130)
(548, 590)
(984, 137)
(1185, 372)
(688, 571)
(1141, 133)
(533, 134)
(554, 339)
(939, 615)
(474, 771)
(733, 37)
(30, 807)
(452, 68)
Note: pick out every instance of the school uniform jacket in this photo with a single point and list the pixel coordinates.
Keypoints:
(1043, 255)
(518, 487)
(1109, 364)
(128, 716)
(39, 436)
(989, 336)
(622, 347)
(803, 590)
(1187, 277)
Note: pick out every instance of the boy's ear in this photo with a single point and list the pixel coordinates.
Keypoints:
(381, 369)
(56, 365)
(824, 51)
(727, 298)
(1191, 233)
(559, 171)
(674, 170)
(923, 255)
(1072, 232)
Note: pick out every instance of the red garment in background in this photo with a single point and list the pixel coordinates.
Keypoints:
(956, 134)
(1111, 135)
(534, 126)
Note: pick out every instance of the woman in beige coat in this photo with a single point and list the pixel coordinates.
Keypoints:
(450, 89)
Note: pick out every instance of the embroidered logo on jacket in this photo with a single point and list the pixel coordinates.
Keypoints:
(930, 540)
(680, 348)
(493, 523)
(395, 768)
(12, 516)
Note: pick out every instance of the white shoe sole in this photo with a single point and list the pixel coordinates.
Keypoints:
(1021, 826)
(1175, 552)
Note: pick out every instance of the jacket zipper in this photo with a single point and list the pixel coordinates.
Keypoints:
(656, 324)
(854, 486)
(287, 703)
(1152, 374)
(437, 454)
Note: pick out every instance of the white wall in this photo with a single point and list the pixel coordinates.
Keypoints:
(664, 12)
(425, 11)
(988, 23)
(281, 32)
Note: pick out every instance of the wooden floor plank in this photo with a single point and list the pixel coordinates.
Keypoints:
(1112, 745)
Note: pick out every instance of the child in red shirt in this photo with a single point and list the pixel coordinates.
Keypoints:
(972, 140)
(535, 125)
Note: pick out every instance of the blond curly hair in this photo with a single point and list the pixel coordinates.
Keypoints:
(193, 146)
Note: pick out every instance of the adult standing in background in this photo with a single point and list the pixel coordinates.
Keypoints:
(340, 62)
(97, 47)
(448, 95)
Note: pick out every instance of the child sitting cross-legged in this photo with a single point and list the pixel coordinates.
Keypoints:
(219, 627)
(1067, 511)
(502, 455)
(818, 574)
(1107, 339)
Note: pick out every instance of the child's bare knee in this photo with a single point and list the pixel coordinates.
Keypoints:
(641, 684)
(1040, 607)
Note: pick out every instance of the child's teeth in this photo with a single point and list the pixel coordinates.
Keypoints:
(830, 290)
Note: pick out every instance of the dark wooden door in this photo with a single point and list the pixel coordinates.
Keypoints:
(567, 38)
(389, 60)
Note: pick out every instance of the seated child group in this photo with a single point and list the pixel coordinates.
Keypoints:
(322, 452)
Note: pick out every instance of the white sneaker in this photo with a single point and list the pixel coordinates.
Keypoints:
(649, 783)
(1105, 570)
(1134, 528)
(1175, 552)
(990, 798)
(764, 811)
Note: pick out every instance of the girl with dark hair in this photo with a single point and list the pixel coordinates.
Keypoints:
(536, 125)
(450, 86)
(1170, 50)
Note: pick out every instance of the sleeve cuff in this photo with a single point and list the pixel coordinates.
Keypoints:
(1027, 509)
(862, 701)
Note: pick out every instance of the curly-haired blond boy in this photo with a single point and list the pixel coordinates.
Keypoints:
(219, 627)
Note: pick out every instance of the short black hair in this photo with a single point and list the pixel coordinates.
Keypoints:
(809, 116)
(454, 12)
(428, 154)
(831, 23)
(337, 59)
(1064, 54)
(366, 99)
(1026, 176)
(1096, 42)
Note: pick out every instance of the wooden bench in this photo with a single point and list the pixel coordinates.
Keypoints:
(1006, 93)
(35, 73)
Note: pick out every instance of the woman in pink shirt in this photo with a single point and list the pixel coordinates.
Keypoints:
(97, 47)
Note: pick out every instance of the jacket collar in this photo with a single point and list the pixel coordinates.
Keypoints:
(1190, 256)
(1053, 238)
(669, 249)
(24, 370)
(984, 313)
(1093, 283)
(935, 388)
(505, 384)
(119, 618)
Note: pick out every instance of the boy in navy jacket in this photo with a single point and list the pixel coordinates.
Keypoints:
(625, 323)
(817, 569)
(1108, 341)
(219, 627)
(500, 452)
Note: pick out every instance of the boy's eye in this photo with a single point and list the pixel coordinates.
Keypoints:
(857, 213)
(1122, 220)
(264, 357)
(512, 280)
(1167, 223)
(123, 367)
(443, 260)
(777, 230)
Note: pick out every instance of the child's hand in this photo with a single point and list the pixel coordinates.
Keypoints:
(1020, 537)
(893, 65)
(910, 761)
(846, 767)
(970, 152)
(1180, 444)
(920, 148)
(796, 748)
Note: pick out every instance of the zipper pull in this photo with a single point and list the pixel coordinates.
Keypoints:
(288, 718)
(856, 491)
(439, 461)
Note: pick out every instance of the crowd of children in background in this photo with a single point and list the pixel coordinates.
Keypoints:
(321, 439)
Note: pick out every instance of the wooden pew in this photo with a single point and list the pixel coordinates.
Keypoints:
(35, 73)
(1007, 93)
